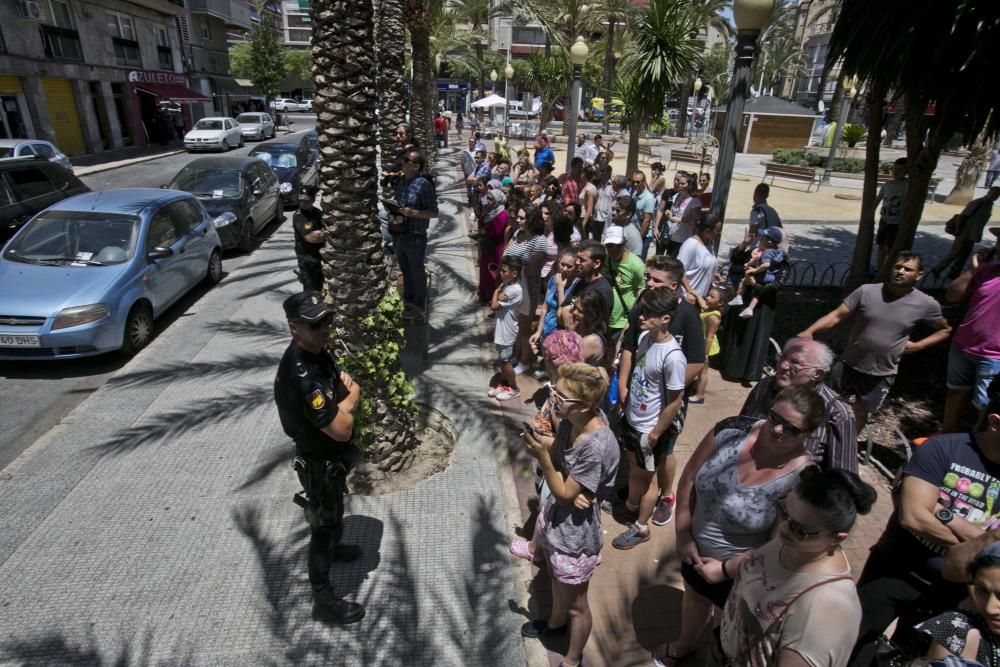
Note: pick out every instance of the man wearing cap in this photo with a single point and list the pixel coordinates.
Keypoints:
(969, 232)
(974, 359)
(885, 314)
(948, 496)
(316, 402)
(624, 271)
(308, 225)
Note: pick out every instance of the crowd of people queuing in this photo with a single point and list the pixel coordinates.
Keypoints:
(608, 289)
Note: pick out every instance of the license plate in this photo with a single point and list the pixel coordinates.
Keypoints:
(17, 340)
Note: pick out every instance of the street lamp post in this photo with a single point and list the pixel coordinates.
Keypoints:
(749, 16)
(493, 78)
(845, 109)
(578, 56)
(697, 87)
(508, 73)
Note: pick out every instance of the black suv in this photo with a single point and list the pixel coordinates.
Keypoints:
(29, 186)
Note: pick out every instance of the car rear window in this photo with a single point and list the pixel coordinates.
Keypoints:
(208, 125)
(248, 118)
(29, 182)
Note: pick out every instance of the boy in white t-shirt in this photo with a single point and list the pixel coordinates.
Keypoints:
(656, 390)
(506, 300)
(891, 196)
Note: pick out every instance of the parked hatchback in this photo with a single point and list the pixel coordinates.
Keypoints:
(31, 185)
(217, 133)
(256, 126)
(239, 193)
(91, 273)
(13, 148)
(294, 164)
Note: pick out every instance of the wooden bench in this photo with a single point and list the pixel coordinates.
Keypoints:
(679, 155)
(792, 173)
(932, 185)
(647, 154)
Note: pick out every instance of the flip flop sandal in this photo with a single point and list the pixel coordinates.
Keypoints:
(520, 549)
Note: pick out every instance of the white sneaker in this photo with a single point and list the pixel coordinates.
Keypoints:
(521, 369)
(493, 390)
(540, 374)
(506, 393)
(746, 313)
(736, 300)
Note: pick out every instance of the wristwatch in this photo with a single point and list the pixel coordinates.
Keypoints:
(944, 515)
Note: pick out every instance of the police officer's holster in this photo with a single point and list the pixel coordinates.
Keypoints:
(324, 484)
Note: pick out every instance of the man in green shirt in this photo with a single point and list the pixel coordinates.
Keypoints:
(625, 273)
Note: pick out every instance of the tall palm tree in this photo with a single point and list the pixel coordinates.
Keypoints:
(353, 261)
(561, 20)
(705, 14)
(550, 77)
(665, 48)
(478, 14)
(931, 51)
(615, 13)
(390, 36)
(421, 18)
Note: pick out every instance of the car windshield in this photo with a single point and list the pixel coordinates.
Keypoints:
(276, 159)
(76, 238)
(209, 182)
(248, 118)
(6, 151)
(208, 125)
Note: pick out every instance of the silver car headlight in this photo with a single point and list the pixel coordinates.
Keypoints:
(77, 315)
(285, 188)
(224, 219)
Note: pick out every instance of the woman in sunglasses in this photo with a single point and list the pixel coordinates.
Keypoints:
(579, 466)
(727, 503)
(793, 600)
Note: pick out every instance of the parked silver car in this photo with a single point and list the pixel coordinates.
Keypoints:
(256, 126)
(13, 148)
(215, 133)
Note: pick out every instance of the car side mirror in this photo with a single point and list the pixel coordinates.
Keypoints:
(159, 253)
(257, 193)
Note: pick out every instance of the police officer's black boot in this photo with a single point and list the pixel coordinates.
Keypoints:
(329, 608)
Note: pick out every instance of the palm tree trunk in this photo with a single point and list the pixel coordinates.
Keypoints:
(967, 174)
(422, 106)
(866, 225)
(632, 157)
(838, 99)
(353, 261)
(609, 72)
(482, 70)
(390, 37)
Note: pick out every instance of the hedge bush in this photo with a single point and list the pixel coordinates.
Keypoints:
(845, 165)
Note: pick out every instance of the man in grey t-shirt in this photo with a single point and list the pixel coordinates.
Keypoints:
(884, 316)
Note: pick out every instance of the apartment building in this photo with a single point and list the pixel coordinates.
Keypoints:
(814, 27)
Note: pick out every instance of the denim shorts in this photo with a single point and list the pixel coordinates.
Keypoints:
(504, 352)
(971, 371)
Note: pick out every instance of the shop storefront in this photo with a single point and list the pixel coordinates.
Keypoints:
(453, 96)
(161, 105)
(15, 122)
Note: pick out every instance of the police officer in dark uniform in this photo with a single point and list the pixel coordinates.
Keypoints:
(308, 225)
(316, 401)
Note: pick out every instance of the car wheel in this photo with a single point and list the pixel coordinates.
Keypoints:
(138, 329)
(279, 211)
(241, 142)
(246, 236)
(225, 145)
(214, 273)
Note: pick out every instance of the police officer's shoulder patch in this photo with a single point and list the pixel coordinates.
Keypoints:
(316, 400)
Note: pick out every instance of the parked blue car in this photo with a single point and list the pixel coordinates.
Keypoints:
(90, 274)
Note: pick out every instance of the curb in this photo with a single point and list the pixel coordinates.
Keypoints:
(108, 166)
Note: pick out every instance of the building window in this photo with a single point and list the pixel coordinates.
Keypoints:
(296, 21)
(206, 29)
(127, 52)
(3, 47)
(299, 35)
(121, 26)
(166, 57)
(528, 36)
(61, 16)
(61, 43)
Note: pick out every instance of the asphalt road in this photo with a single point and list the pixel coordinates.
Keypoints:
(36, 395)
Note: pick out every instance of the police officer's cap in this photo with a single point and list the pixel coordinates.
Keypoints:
(308, 306)
(307, 193)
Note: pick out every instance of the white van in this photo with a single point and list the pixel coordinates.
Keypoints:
(517, 110)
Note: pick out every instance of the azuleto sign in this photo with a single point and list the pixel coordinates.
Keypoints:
(144, 76)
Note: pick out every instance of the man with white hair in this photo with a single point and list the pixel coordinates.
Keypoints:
(806, 362)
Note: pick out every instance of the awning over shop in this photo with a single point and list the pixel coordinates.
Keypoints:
(171, 91)
(225, 85)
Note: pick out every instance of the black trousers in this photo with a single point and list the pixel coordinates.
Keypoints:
(310, 273)
(323, 541)
(888, 591)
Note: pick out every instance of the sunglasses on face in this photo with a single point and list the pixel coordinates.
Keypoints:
(325, 321)
(786, 426)
(636, 182)
(559, 398)
(797, 529)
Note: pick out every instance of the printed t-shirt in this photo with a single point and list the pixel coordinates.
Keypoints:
(685, 209)
(506, 327)
(644, 203)
(964, 477)
(685, 328)
(821, 625)
(882, 326)
(628, 275)
(657, 368)
(979, 332)
(893, 193)
(593, 463)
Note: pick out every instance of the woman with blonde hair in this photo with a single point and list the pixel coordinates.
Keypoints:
(579, 465)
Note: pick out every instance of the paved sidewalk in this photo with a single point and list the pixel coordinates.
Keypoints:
(154, 525)
(84, 165)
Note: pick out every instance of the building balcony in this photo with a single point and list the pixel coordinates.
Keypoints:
(235, 14)
(162, 6)
(818, 29)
